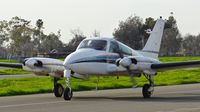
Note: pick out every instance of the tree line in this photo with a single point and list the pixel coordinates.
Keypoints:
(133, 32)
(18, 37)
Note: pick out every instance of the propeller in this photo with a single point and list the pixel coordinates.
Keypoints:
(24, 61)
(126, 63)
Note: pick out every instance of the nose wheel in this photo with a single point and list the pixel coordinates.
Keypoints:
(68, 93)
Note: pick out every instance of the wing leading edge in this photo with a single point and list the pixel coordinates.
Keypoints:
(11, 65)
(175, 65)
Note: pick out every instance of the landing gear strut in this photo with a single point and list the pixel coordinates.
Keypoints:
(68, 93)
(58, 88)
(148, 89)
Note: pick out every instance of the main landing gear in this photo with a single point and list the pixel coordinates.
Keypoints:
(148, 89)
(59, 90)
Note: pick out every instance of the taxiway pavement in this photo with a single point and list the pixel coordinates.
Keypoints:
(179, 98)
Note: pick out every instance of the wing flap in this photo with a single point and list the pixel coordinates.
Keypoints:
(175, 65)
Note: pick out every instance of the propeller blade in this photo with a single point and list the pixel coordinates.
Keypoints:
(133, 81)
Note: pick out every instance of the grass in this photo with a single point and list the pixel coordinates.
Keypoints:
(8, 61)
(174, 77)
(176, 59)
(13, 71)
(31, 85)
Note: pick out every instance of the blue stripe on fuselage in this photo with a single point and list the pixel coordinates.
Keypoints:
(99, 58)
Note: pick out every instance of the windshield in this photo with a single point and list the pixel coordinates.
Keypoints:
(94, 44)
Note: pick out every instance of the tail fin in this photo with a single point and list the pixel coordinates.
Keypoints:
(152, 47)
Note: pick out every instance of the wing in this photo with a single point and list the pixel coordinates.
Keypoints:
(40, 66)
(175, 65)
(11, 65)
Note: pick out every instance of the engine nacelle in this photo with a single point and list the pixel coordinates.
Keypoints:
(33, 63)
(126, 61)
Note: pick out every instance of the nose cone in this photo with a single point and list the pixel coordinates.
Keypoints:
(68, 60)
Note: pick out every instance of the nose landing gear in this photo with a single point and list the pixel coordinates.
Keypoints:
(68, 93)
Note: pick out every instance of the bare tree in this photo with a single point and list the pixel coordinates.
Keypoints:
(96, 33)
(74, 42)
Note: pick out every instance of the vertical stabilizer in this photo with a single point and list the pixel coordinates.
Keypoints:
(152, 47)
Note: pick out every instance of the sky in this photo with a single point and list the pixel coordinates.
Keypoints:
(100, 15)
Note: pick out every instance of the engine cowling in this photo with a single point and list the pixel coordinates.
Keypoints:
(126, 62)
(33, 63)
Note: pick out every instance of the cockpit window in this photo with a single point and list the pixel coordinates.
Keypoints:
(94, 44)
(117, 47)
(114, 48)
(125, 49)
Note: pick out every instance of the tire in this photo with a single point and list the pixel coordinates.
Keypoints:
(145, 92)
(68, 93)
(58, 90)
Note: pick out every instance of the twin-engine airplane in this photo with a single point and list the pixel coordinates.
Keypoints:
(105, 57)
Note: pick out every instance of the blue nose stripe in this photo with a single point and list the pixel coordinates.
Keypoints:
(100, 59)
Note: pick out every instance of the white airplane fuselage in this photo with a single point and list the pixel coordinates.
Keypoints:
(91, 61)
(102, 56)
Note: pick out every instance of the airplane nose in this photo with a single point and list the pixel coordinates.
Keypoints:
(68, 60)
(77, 55)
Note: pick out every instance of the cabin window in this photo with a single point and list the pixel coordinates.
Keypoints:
(125, 49)
(94, 44)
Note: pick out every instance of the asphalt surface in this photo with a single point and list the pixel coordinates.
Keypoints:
(181, 98)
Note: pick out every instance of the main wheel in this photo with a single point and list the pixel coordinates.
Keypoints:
(58, 90)
(68, 93)
(145, 91)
